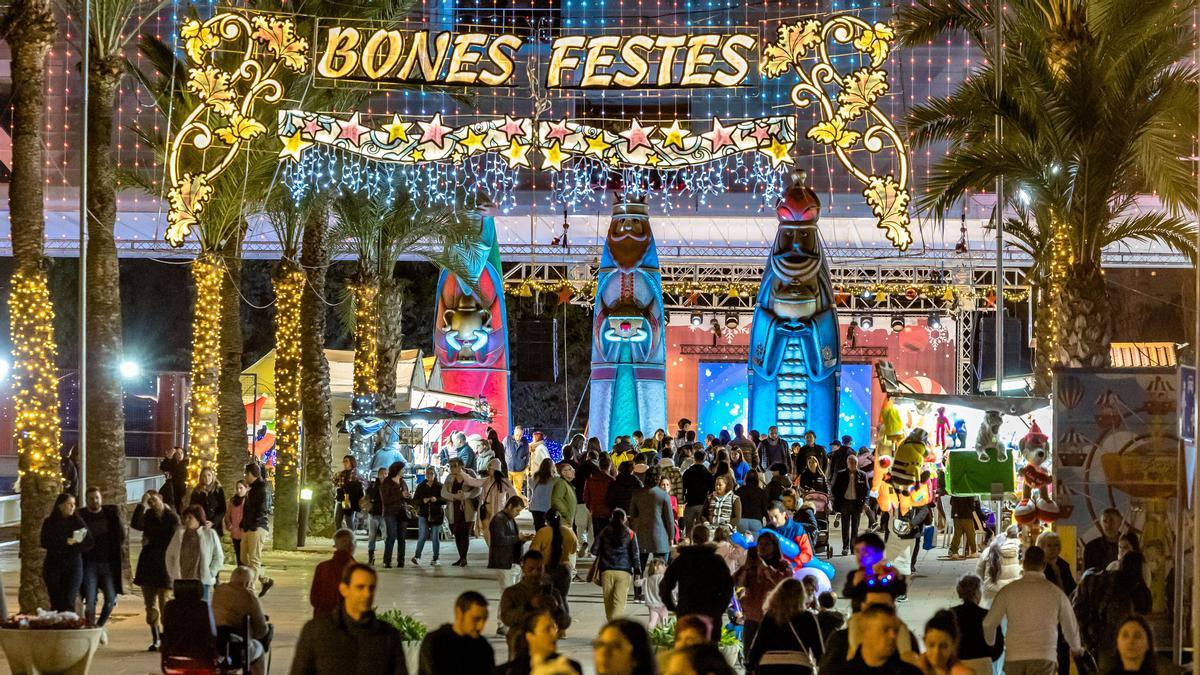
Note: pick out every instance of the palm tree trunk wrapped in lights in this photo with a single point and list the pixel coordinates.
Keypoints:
(314, 380)
(289, 287)
(207, 275)
(30, 29)
(366, 336)
(391, 336)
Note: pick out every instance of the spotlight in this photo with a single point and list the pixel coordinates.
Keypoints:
(897, 325)
(866, 295)
(130, 369)
(934, 321)
(5, 367)
(866, 323)
(697, 319)
(731, 321)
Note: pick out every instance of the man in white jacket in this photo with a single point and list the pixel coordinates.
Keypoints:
(1036, 609)
(195, 551)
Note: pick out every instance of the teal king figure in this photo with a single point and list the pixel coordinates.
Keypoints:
(629, 355)
(795, 360)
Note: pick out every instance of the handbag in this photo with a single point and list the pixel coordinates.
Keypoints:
(801, 658)
(928, 535)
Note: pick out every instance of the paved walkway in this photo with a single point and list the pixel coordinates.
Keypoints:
(428, 593)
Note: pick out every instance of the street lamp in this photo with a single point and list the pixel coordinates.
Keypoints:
(306, 495)
(5, 367)
(130, 369)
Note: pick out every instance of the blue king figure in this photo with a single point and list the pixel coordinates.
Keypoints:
(629, 356)
(794, 343)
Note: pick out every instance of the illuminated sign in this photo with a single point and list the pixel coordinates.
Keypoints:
(651, 61)
(388, 55)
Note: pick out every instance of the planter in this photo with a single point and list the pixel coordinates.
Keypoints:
(412, 655)
(46, 651)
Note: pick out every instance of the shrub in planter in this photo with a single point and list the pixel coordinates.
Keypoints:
(412, 632)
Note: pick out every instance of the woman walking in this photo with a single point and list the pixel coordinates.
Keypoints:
(497, 490)
(349, 492)
(394, 495)
(233, 518)
(618, 561)
(724, 506)
(941, 646)
(210, 496)
(558, 545)
(157, 523)
(430, 515)
(540, 493)
(764, 569)
(789, 639)
(195, 551)
(65, 537)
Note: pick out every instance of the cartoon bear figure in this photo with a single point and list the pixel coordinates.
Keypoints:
(988, 437)
(905, 471)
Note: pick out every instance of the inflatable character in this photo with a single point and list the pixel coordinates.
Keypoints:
(905, 471)
(795, 357)
(629, 355)
(1036, 503)
(988, 438)
(891, 427)
(470, 335)
(943, 428)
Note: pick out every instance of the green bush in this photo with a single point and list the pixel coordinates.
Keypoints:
(663, 634)
(411, 630)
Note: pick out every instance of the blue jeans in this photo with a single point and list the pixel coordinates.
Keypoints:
(395, 535)
(98, 576)
(343, 517)
(374, 532)
(431, 532)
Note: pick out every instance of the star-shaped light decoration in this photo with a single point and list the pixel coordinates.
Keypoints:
(397, 130)
(294, 146)
(761, 133)
(512, 128)
(473, 141)
(597, 145)
(778, 151)
(434, 131)
(613, 160)
(351, 130)
(516, 154)
(312, 126)
(674, 135)
(652, 159)
(417, 155)
(552, 157)
(559, 131)
(638, 135)
(720, 136)
(458, 156)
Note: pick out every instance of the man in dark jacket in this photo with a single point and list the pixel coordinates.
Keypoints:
(850, 488)
(810, 449)
(754, 503)
(504, 549)
(256, 519)
(516, 455)
(323, 595)
(174, 465)
(705, 586)
(460, 647)
(652, 519)
(531, 593)
(101, 563)
(772, 449)
(1102, 550)
(698, 483)
(620, 493)
(778, 482)
(351, 641)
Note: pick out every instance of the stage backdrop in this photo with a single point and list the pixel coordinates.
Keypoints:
(706, 379)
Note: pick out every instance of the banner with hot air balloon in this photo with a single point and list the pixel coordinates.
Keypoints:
(1116, 444)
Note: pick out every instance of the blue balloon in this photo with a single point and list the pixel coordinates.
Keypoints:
(824, 566)
(787, 547)
(742, 540)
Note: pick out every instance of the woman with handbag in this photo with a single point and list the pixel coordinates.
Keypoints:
(394, 495)
(789, 639)
(497, 489)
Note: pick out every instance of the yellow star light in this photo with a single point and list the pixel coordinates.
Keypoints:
(516, 154)
(652, 159)
(396, 130)
(552, 157)
(473, 142)
(778, 151)
(417, 155)
(674, 135)
(597, 145)
(294, 146)
(613, 160)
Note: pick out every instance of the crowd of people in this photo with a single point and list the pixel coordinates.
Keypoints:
(719, 533)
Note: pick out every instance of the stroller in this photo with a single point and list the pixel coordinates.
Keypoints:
(821, 509)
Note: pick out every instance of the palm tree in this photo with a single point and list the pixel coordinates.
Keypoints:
(377, 230)
(314, 377)
(1098, 106)
(113, 27)
(30, 29)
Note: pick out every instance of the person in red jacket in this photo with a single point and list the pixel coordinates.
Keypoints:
(595, 493)
(324, 595)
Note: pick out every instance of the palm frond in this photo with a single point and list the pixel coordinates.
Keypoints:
(1177, 232)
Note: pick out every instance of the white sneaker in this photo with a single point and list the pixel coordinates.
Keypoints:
(103, 636)
(435, 563)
